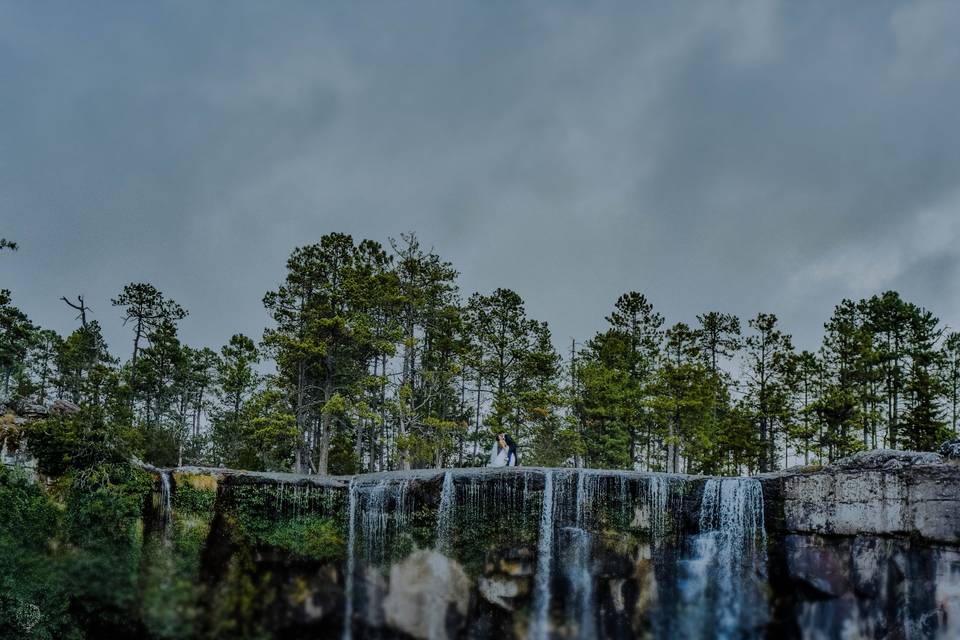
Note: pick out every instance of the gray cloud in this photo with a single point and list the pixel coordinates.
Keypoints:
(732, 155)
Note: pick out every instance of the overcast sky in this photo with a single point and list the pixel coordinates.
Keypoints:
(717, 155)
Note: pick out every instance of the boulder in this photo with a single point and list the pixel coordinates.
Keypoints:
(500, 590)
(950, 450)
(427, 597)
(61, 406)
(886, 459)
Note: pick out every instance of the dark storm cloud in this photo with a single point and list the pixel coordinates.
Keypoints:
(731, 155)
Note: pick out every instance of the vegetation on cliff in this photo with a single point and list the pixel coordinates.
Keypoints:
(374, 360)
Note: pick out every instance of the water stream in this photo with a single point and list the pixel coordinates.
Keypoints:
(541, 588)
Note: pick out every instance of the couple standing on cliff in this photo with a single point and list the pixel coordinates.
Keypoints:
(504, 452)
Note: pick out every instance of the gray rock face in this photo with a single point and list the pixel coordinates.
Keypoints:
(427, 597)
(866, 548)
(871, 548)
(913, 500)
(872, 587)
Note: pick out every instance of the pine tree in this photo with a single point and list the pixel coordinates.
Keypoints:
(17, 336)
(767, 356)
(887, 317)
(323, 337)
(236, 381)
(950, 378)
(684, 401)
(805, 431)
(924, 428)
(147, 310)
(845, 345)
(642, 328)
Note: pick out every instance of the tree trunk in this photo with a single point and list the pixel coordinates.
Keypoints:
(326, 422)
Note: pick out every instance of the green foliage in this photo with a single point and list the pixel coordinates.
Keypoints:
(71, 566)
(309, 537)
(188, 499)
(17, 336)
(267, 515)
(67, 442)
(379, 363)
(33, 602)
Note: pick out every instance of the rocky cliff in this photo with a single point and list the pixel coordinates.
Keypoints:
(867, 548)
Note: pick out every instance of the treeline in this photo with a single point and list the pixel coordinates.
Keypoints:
(374, 360)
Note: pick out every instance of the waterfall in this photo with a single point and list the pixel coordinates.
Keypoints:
(445, 514)
(722, 584)
(541, 587)
(580, 613)
(577, 558)
(351, 561)
(377, 513)
(379, 522)
(165, 506)
(659, 494)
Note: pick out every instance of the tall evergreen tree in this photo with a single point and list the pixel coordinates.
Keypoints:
(322, 337)
(17, 336)
(684, 399)
(236, 382)
(950, 377)
(767, 356)
(427, 290)
(887, 318)
(845, 345)
(642, 327)
(924, 427)
(146, 309)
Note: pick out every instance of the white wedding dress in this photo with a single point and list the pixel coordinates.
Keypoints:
(498, 456)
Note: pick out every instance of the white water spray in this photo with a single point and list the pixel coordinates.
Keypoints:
(541, 587)
(351, 562)
(166, 506)
(729, 560)
(445, 514)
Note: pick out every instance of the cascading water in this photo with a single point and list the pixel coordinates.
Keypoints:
(570, 502)
(385, 515)
(351, 561)
(165, 506)
(577, 557)
(541, 587)
(579, 605)
(378, 513)
(707, 585)
(659, 492)
(448, 497)
(721, 582)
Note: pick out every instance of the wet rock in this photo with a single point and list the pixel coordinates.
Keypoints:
(820, 568)
(871, 587)
(501, 591)
(514, 562)
(428, 596)
(866, 548)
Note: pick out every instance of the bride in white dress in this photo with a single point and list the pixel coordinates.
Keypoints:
(500, 453)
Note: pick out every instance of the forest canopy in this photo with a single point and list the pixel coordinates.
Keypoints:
(373, 359)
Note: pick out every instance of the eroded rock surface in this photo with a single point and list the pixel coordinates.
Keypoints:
(427, 597)
(866, 548)
(881, 493)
